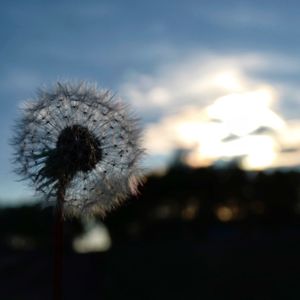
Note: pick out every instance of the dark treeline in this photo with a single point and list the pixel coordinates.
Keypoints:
(191, 234)
(189, 202)
(183, 203)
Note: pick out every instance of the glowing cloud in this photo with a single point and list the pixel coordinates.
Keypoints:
(243, 113)
(212, 108)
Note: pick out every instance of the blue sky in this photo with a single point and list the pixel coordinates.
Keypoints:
(143, 50)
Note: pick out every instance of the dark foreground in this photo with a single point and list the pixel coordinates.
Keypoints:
(191, 234)
(262, 268)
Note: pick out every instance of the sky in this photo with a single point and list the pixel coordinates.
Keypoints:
(218, 79)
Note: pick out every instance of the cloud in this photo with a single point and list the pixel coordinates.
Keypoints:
(244, 113)
(205, 100)
(195, 80)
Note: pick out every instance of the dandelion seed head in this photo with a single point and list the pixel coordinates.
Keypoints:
(84, 135)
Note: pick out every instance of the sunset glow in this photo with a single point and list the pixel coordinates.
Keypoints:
(243, 124)
(243, 113)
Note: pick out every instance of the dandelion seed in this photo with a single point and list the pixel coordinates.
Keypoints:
(82, 138)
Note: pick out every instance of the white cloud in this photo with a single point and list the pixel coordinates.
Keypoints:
(197, 80)
(206, 99)
(243, 113)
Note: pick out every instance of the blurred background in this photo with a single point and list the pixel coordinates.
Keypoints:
(215, 84)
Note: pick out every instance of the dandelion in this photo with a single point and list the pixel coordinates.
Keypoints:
(80, 148)
(78, 143)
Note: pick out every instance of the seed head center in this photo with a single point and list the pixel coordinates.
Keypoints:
(78, 149)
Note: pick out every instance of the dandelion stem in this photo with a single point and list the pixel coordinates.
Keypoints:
(58, 242)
